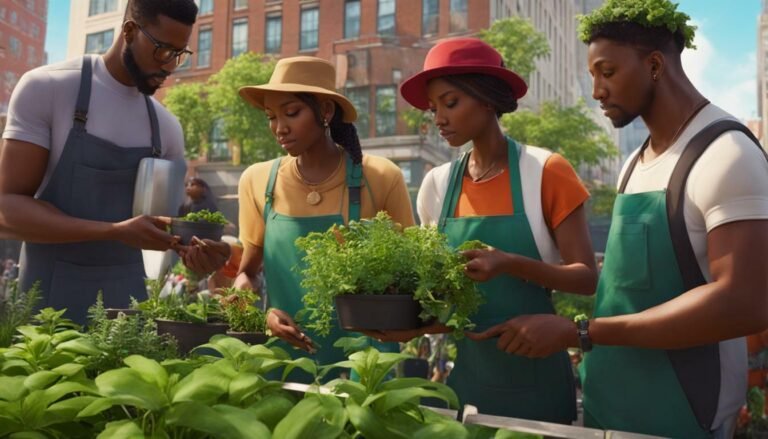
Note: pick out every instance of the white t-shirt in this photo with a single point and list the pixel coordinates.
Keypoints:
(728, 183)
(42, 108)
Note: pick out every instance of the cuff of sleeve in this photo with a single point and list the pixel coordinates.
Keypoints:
(41, 141)
(740, 209)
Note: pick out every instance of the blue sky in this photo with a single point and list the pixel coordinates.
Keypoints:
(723, 67)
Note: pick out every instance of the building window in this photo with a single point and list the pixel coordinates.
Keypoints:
(386, 119)
(386, 21)
(219, 144)
(309, 27)
(352, 19)
(241, 4)
(239, 36)
(274, 34)
(204, 48)
(97, 7)
(204, 7)
(15, 45)
(99, 42)
(34, 30)
(406, 168)
(430, 17)
(186, 64)
(458, 15)
(14, 17)
(31, 58)
(31, 5)
(2, 13)
(360, 99)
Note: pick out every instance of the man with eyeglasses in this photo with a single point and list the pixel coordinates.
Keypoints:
(75, 135)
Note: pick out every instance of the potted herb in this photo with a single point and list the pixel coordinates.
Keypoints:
(203, 224)
(246, 321)
(383, 278)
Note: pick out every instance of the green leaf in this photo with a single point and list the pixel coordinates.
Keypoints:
(80, 346)
(313, 417)
(220, 421)
(41, 380)
(95, 407)
(355, 391)
(68, 369)
(127, 387)
(125, 429)
(390, 399)
(272, 409)
(305, 363)
(204, 385)
(150, 370)
(443, 430)
(66, 410)
(371, 426)
(28, 435)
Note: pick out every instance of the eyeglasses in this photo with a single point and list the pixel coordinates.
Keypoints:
(164, 53)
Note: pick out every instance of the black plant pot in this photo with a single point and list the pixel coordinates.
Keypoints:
(187, 229)
(112, 312)
(378, 312)
(249, 337)
(190, 335)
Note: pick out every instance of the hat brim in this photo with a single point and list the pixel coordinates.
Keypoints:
(254, 95)
(414, 89)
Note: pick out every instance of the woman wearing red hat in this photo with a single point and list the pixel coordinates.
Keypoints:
(523, 201)
(325, 180)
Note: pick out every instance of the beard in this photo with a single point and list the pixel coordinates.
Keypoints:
(623, 119)
(141, 79)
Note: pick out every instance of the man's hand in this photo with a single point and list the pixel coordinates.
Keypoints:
(145, 232)
(483, 265)
(204, 256)
(533, 336)
(282, 325)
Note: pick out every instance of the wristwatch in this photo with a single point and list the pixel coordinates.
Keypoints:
(582, 330)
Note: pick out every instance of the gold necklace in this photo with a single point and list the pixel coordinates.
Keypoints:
(685, 123)
(314, 197)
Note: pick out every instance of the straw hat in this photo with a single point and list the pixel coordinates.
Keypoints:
(301, 74)
(455, 56)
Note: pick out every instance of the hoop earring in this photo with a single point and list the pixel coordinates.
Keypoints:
(327, 128)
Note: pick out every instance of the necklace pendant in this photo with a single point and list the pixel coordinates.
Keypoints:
(314, 198)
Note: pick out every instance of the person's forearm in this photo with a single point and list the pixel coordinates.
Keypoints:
(27, 219)
(572, 278)
(707, 314)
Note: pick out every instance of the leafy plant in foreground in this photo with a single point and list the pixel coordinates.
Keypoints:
(16, 310)
(205, 216)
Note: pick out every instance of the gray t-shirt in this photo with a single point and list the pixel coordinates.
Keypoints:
(42, 108)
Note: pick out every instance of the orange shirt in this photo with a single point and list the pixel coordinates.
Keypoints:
(561, 193)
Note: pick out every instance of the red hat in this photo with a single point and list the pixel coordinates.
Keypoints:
(456, 56)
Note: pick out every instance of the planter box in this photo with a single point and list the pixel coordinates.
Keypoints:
(378, 312)
(190, 335)
(249, 337)
(112, 312)
(187, 229)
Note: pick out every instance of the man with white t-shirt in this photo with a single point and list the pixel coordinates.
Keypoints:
(684, 277)
(75, 135)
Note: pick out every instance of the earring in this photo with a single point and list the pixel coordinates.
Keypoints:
(327, 128)
(655, 77)
(325, 123)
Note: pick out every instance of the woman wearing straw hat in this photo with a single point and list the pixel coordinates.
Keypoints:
(526, 203)
(325, 180)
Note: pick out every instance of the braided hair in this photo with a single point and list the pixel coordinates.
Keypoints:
(343, 133)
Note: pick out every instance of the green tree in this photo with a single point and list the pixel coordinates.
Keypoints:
(601, 199)
(519, 43)
(566, 130)
(244, 125)
(189, 104)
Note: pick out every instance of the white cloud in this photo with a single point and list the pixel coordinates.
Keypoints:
(728, 80)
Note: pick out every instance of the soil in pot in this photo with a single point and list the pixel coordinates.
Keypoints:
(379, 312)
(190, 335)
(112, 312)
(187, 229)
(249, 337)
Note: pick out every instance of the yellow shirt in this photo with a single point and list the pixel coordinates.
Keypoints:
(383, 189)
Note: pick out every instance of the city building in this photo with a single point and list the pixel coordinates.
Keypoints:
(762, 70)
(22, 42)
(93, 25)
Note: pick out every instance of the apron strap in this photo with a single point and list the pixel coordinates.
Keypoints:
(513, 153)
(632, 165)
(156, 144)
(269, 194)
(354, 181)
(84, 94)
(700, 364)
(451, 194)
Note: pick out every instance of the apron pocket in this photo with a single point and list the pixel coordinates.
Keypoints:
(75, 286)
(101, 195)
(627, 257)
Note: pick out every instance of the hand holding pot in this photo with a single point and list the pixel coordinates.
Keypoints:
(204, 256)
(145, 232)
(533, 336)
(485, 264)
(282, 325)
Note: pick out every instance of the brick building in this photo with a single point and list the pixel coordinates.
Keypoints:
(22, 42)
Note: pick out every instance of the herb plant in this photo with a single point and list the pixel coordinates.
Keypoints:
(205, 216)
(240, 312)
(16, 310)
(373, 256)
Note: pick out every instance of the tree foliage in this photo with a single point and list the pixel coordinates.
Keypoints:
(568, 131)
(519, 43)
(189, 104)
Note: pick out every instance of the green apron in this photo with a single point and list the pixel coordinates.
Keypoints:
(636, 389)
(281, 256)
(495, 382)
